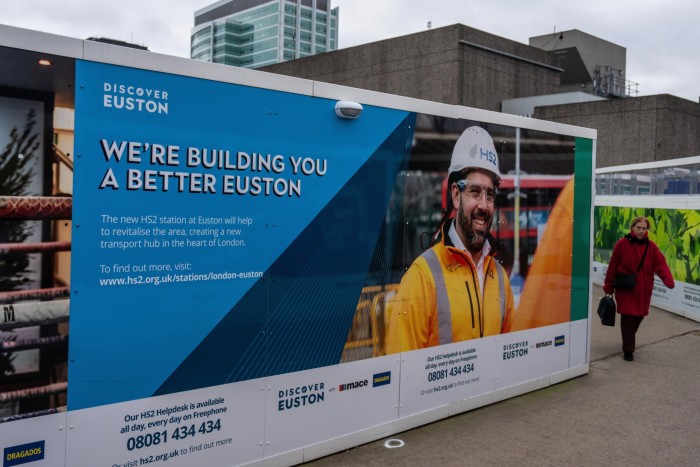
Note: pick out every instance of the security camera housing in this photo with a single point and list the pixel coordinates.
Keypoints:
(347, 109)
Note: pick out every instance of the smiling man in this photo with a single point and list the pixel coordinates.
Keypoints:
(457, 290)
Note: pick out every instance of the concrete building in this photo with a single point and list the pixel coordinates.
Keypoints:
(525, 106)
(590, 64)
(454, 64)
(255, 33)
(634, 130)
(593, 69)
(570, 77)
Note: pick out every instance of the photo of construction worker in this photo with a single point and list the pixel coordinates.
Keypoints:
(457, 290)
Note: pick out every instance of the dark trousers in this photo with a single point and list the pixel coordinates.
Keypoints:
(628, 327)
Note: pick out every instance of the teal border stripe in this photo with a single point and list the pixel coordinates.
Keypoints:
(583, 194)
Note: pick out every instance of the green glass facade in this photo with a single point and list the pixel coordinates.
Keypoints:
(252, 34)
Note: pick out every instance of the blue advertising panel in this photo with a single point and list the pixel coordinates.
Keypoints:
(210, 221)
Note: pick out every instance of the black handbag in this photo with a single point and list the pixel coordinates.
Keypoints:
(629, 281)
(606, 310)
(625, 281)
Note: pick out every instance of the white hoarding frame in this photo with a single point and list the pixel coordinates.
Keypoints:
(578, 332)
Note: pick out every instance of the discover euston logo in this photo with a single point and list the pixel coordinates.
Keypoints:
(300, 396)
(133, 98)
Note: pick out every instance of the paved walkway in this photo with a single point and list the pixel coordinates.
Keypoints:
(641, 413)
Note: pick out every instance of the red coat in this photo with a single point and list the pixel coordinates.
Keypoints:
(625, 259)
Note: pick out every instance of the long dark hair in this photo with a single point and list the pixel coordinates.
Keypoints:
(447, 211)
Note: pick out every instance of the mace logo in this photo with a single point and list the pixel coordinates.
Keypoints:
(380, 379)
(22, 454)
(354, 385)
(559, 340)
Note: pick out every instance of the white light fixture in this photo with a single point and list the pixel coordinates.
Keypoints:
(347, 109)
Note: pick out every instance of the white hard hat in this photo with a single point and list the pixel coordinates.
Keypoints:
(475, 150)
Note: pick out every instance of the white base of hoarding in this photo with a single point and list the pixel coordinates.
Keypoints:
(358, 438)
(296, 417)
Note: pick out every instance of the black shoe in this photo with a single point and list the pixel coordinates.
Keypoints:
(629, 356)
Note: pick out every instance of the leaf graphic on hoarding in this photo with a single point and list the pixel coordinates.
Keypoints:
(675, 231)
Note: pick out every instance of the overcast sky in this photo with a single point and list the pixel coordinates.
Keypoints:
(662, 37)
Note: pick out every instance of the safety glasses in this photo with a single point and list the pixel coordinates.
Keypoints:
(477, 190)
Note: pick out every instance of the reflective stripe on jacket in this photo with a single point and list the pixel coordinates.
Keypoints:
(440, 301)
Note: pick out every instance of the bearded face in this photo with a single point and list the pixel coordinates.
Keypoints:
(474, 224)
(474, 201)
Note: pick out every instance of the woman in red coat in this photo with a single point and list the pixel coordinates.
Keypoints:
(633, 304)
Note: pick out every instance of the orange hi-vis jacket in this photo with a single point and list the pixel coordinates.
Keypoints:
(440, 301)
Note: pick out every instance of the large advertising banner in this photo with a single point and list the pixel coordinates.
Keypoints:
(223, 235)
(252, 275)
(211, 229)
(675, 231)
